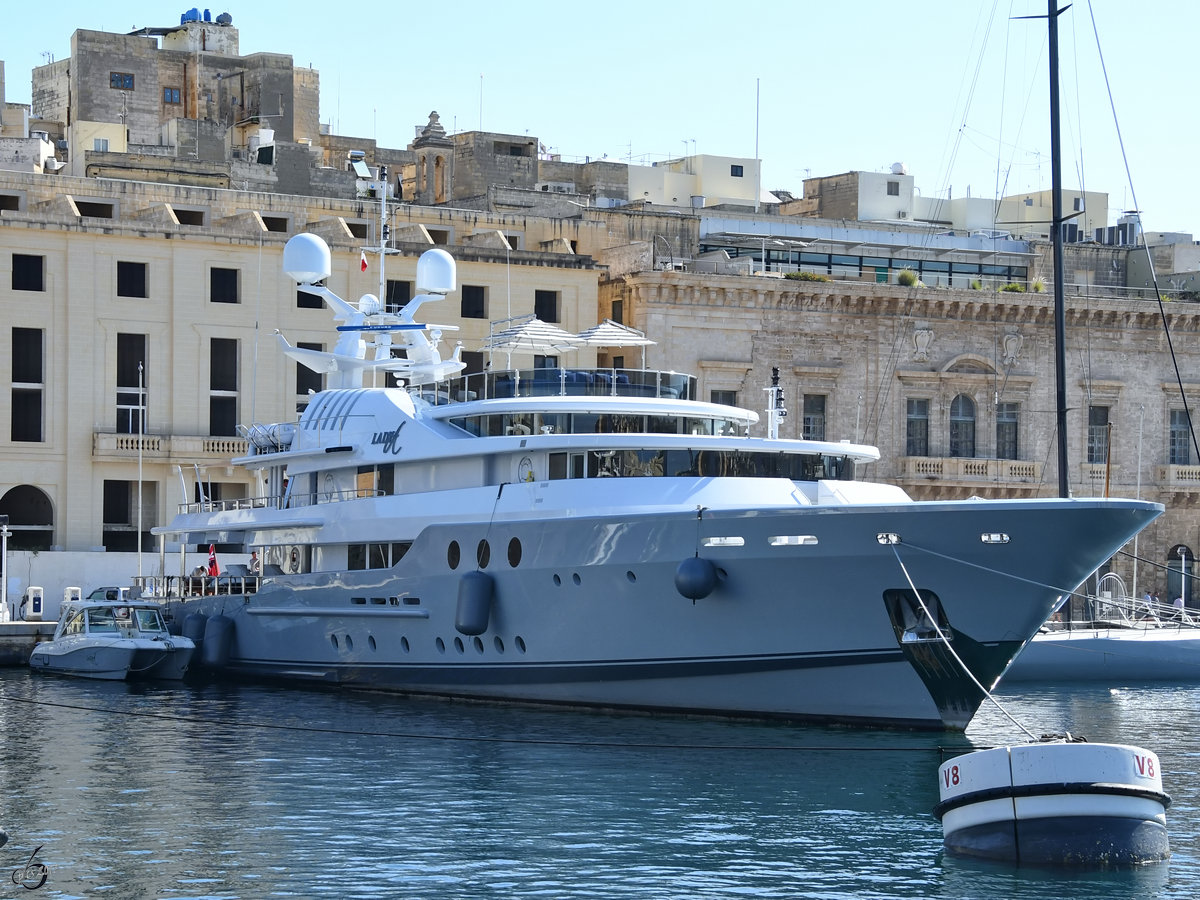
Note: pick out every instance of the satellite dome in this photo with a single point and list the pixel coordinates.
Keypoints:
(898, 168)
(368, 305)
(435, 272)
(306, 259)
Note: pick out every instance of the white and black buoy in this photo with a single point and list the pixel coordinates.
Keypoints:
(1060, 803)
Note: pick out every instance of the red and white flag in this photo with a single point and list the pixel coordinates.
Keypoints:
(362, 263)
(213, 569)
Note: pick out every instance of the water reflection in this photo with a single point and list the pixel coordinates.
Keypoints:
(247, 791)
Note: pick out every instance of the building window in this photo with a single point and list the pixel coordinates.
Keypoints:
(398, 295)
(893, 188)
(1078, 204)
(916, 441)
(1097, 435)
(28, 272)
(100, 145)
(814, 417)
(223, 385)
(122, 81)
(28, 383)
(473, 361)
(171, 95)
(131, 279)
(962, 427)
(735, 171)
(474, 301)
(121, 517)
(618, 311)
(223, 285)
(725, 398)
(1180, 439)
(306, 379)
(305, 300)
(545, 362)
(1006, 430)
(131, 383)
(545, 305)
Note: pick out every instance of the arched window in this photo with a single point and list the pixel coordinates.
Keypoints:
(30, 518)
(962, 426)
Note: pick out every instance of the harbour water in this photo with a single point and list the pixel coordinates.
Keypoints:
(254, 791)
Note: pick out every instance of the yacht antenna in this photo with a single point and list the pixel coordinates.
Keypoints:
(383, 234)
(775, 408)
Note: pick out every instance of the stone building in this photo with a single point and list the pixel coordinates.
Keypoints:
(955, 385)
(139, 323)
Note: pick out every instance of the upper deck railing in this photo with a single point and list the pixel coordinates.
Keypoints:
(560, 382)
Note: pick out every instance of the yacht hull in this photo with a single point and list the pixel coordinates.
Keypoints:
(806, 617)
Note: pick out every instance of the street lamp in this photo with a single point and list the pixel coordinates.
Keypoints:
(5, 534)
(1183, 574)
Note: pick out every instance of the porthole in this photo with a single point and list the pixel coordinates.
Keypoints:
(404, 644)
(520, 644)
(630, 577)
(371, 642)
(514, 552)
(458, 645)
(483, 553)
(333, 640)
(575, 578)
(498, 644)
(557, 580)
(453, 555)
(478, 642)
(441, 645)
(349, 642)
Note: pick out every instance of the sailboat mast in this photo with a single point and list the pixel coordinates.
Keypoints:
(1060, 325)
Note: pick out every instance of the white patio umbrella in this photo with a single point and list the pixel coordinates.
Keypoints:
(613, 334)
(529, 334)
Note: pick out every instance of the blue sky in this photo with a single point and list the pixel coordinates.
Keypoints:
(955, 89)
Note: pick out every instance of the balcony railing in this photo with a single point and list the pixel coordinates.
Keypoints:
(949, 468)
(1178, 477)
(167, 447)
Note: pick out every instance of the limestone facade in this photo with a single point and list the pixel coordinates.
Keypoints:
(97, 276)
(860, 352)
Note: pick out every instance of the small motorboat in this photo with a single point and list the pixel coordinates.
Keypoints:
(113, 641)
(1055, 803)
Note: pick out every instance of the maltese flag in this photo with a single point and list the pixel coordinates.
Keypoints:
(362, 262)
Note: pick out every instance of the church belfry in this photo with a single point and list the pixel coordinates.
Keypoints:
(435, 164)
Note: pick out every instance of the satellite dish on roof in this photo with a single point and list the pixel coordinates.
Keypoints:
(898, 168)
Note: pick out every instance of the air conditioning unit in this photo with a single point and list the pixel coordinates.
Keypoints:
(903, 214)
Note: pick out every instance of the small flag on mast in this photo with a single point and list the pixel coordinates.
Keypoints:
(362, 263)
(213, 569)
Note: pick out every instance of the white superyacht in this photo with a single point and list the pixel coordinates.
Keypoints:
(602, 538)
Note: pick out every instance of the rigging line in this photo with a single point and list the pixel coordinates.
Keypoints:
(945, 640)
(1003, 574)
(956, 144)
(1162, 312)
(884, 388)
(477, 739)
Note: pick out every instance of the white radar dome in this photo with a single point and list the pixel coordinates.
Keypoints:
(368, 305)
(435, 272)
(306, 259)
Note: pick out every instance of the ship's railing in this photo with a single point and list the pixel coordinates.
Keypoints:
(299, 498)
(168, 587)
(1109, 611)
(209, 506)
(561, 382)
